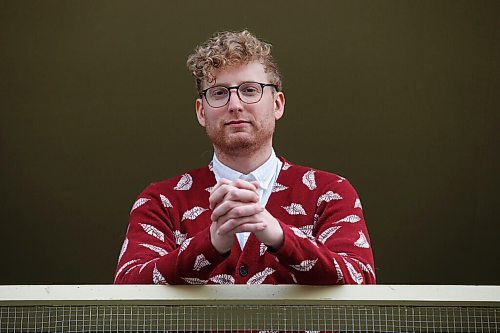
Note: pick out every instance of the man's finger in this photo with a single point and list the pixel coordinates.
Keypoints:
(242, 224)
(222, 181)
(239, 190)
(241, 195)
(238, 210)
(243, 184)
(218, 194)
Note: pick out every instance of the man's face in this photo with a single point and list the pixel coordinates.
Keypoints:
(238, 127)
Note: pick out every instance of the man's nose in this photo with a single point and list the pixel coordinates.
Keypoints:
(234, 103)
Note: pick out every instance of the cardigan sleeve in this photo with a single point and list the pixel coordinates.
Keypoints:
(337, 250)
(153, 252)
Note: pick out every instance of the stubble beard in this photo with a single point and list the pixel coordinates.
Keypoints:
(238, 145)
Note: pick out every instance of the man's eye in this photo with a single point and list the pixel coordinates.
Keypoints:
(218, 92)
(249, 90)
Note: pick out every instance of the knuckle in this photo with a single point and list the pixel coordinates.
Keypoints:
(231, 195)
(238, 210)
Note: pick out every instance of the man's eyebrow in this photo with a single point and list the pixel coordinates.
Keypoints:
(216, 84)
(225, 84)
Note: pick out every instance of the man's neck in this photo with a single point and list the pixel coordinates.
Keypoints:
(243, 161)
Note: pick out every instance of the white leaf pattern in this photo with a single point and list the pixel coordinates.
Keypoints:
(327, 233)
(362, 241)
(157, 277)
(147, 263)
(138, 203)
(367, 268)
(343, 254)
(179, 237)
(184, 245)
(125, 265)
(131, 268)
(357, 204)
(286, 166)
(261, 276)
(156, 249)
(278, 187)
(356, 276)
(295, 209)
(262, 249)
(150, 230)
(350, 219)
(328, 196)
(307, 230)
(293, 278)
(298, 232)
(164, 200)
(200, 262)
(193, 213)
(184, 183)
(309, 180)
(340, 275)
(124, 248)
(222, 279)
(195, 281)
(209, 189)
(305, 266)
(315, 219)
(370, 269)
(341, 179)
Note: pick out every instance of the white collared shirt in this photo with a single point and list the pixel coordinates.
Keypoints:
(266, 175)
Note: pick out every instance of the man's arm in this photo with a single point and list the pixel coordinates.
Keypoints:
(336, 250)
(154, 252)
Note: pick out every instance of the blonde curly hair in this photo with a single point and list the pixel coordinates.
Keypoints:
(228, 48)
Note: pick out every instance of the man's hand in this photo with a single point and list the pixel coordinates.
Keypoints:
(236, 208)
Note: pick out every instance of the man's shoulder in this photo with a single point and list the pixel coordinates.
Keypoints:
(297, 171)
(314, 181)
(190, 180)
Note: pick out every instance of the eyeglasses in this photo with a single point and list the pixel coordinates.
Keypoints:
(248, 92)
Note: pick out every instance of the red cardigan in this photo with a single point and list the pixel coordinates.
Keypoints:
(326, 240)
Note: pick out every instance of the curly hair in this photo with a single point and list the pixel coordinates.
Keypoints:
(229, 48)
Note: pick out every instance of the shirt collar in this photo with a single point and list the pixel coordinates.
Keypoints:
(263, 174)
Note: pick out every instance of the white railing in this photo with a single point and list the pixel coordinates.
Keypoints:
(148, 308)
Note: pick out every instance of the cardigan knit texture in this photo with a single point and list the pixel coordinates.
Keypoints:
(325, 236)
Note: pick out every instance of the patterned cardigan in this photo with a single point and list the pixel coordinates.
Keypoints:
(326, 240)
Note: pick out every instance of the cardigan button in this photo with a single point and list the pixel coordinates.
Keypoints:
(243, 270)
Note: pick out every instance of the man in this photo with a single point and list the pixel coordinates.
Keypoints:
(249, 216)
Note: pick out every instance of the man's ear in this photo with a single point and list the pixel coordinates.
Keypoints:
(279, 105)
(200, 112)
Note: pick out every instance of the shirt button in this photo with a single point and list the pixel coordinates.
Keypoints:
(243, 270)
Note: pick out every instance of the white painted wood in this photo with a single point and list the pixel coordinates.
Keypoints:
(243, 294)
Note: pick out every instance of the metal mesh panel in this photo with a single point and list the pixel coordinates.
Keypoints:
(269, 318)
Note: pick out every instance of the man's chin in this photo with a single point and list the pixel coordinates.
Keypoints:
(238, 143)
(238, 147)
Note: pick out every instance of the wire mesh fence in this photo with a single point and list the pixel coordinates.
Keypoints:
(253, 318)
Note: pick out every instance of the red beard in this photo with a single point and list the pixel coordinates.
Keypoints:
(233, 143)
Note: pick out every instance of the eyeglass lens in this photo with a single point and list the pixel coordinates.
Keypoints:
(249, 92)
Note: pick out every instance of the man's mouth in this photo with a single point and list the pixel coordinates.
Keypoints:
(236, 122)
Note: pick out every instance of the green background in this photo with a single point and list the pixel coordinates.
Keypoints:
(400, 97)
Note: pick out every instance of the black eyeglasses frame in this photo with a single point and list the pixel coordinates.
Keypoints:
(203, 93)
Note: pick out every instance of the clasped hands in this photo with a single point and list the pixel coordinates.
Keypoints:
(236, 208)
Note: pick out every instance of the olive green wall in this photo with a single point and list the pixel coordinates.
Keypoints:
(401, 97)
